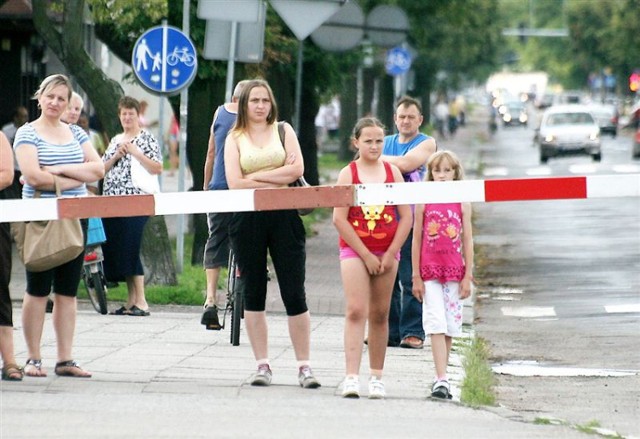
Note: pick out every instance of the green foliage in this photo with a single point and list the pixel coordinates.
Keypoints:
(602, 35)
(477, 386)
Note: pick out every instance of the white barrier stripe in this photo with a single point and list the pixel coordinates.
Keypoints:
(173, 203)
(39, 209)
(418, 193)
(603, 186)
(244, 200)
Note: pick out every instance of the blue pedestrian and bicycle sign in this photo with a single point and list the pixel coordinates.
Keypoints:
(164, 60)
(398, 61)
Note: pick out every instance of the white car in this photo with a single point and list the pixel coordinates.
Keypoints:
(568, 130)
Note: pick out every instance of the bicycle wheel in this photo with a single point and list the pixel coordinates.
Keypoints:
(235, 299)
(236, 317)
(96, 289)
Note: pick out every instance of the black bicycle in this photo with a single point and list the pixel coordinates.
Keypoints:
(234, 305)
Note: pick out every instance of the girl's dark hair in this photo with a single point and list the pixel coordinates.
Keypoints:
(363, 123)
(242, 121)
(129, 103)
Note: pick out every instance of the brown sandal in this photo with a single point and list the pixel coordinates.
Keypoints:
(12, 372)
(71, 369)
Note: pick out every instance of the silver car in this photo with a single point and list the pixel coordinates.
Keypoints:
(607, 117)
(568, 130)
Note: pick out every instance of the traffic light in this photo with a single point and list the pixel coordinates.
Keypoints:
(634, 81)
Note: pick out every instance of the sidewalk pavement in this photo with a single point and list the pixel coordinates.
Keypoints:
(165, 376)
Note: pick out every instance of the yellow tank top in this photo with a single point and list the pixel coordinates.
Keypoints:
(253, 158)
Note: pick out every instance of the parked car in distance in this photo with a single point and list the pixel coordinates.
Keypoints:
(607, 118)
(568, 130)
(513, 113)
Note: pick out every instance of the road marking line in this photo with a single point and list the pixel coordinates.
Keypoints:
(544, 170)
(497, 171)
(631, 307)
(530, 368)
(626, 168)
(582, 169)
(528, 311)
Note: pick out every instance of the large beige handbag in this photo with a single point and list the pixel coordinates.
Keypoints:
(43, 245)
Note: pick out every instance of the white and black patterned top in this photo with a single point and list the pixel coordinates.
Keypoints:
(117, 181)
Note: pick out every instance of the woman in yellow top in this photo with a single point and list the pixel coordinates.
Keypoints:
(256, 158)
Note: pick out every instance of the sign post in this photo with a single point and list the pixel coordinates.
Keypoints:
(165, 62)
(397, 64)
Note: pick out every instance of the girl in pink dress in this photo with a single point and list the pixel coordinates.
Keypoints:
(442, 254)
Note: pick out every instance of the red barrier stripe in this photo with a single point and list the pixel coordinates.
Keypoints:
(106, 207)
(535, 189)
(297, 198)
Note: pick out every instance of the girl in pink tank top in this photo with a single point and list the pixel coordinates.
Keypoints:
(370, 239)
(442, 266)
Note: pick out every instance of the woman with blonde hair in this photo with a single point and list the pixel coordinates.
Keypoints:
(52, 153)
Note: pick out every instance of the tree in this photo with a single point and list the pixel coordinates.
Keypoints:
(61, 25)
(68, 45)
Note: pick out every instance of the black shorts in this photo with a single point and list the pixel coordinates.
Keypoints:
(216, 250)
(6, 311)
(63, 279)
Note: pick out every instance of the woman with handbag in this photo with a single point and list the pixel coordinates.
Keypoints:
(255, 157)
(134, 150)
(54, 156)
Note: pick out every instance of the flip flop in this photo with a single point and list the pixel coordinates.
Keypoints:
(122, 311)
(33, 368)
(137, 312)
(71, 369)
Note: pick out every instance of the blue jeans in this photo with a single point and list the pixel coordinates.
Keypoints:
(405, 314)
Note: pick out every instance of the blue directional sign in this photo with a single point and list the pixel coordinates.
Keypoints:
(398, 61)
(164, 60)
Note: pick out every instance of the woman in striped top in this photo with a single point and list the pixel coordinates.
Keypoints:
(52, 152)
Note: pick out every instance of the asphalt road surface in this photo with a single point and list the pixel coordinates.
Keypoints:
(558, 295)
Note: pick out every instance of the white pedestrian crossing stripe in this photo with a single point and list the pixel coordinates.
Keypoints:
(631, 307)
(528, 311)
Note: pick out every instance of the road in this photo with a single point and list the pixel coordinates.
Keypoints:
(559, 289)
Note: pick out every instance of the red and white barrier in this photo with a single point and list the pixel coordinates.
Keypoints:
(245, 200)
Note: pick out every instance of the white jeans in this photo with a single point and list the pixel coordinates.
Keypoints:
(442, 308)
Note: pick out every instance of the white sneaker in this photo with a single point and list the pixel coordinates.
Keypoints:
(262, 376)
(351, 387)
(376, 389)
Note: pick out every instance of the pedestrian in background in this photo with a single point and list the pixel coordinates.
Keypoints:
(216, 250)
(20, 117)
(370, 242)
(256, 157)
(173, 134)
(10, 369)
(51, 152)
(124, 235)
(409, 150)
(441, 114)
(442, 266)
(74, 109)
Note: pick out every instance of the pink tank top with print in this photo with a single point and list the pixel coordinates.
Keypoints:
(375, 225)
(441, 253)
